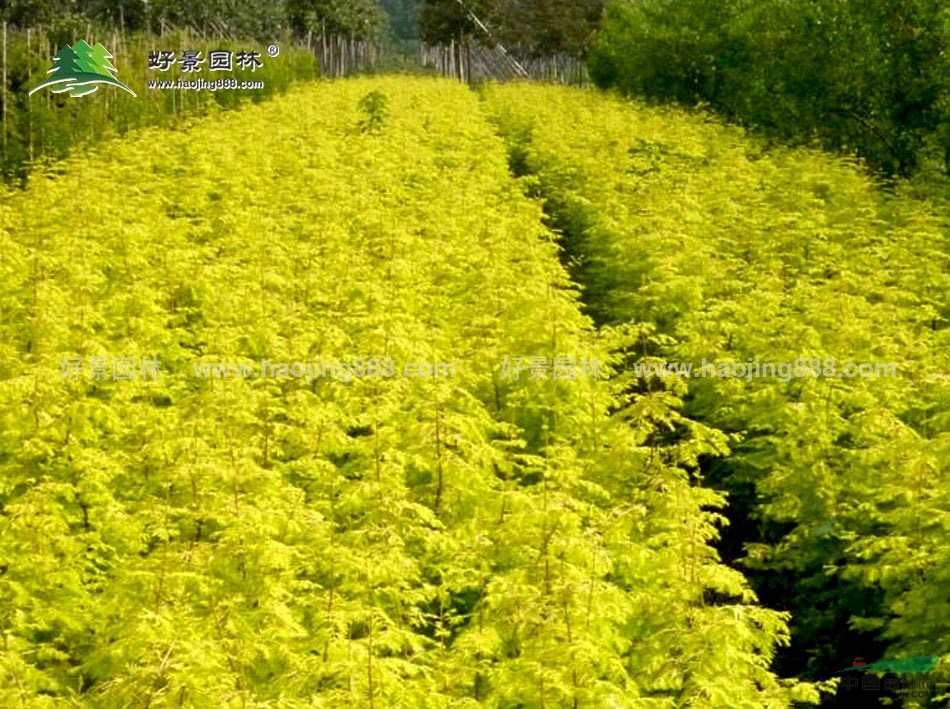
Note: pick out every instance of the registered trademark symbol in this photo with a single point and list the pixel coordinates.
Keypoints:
(273, 50)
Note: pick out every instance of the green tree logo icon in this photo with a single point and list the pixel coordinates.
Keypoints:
(78, 70)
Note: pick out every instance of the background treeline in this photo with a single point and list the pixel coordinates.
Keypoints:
(541, 26)
(863, 78)
(869, 78)
(266, 19)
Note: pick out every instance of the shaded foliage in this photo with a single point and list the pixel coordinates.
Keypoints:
(870, 78)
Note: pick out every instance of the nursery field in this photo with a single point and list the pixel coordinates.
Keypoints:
(339, 400)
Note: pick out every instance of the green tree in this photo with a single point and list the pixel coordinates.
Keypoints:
(442, 21)
(544, 27)
(783, 66)
(403, 17)
(362, 19)
(80, 68)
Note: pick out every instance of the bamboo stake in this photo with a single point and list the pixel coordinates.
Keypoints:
(29, 81)
(5, 89)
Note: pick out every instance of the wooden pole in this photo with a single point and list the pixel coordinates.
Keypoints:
(468, 58)
(29, 82)
(4, 88)
(52, 52)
